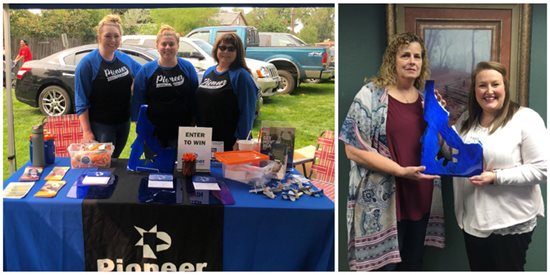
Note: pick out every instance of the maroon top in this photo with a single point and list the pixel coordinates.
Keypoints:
(404, 129)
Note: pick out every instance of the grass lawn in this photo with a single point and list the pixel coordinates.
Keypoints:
(310, 109)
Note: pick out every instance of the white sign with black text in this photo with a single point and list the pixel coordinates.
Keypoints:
(196, 140)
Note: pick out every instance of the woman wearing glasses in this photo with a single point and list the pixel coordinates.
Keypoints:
(167, 86)
(226, 97)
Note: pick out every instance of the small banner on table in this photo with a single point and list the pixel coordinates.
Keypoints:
(152, 237)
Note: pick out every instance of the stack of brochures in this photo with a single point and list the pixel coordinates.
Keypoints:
(161, 181)
(17, 190)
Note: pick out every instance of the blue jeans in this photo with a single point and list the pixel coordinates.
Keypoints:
(115, 133)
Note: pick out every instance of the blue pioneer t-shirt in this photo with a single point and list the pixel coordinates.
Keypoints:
(226, 101)
(104, 87)
(170, 96)
(110, 99)
(218, 108)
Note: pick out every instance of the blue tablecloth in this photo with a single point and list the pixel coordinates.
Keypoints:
(43, 234)
(260, 234)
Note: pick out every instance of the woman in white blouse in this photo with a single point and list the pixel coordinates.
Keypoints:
(497, 210)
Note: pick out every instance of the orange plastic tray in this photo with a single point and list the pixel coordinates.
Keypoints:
(239, 157)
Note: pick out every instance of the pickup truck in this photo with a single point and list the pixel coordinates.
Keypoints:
(294, 64)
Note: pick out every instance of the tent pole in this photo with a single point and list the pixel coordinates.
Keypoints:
(9, 102)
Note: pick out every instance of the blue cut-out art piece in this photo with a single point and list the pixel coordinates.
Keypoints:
(158, 159)
(469, 159)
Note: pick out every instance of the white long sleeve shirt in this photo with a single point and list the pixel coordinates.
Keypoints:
(518, 153)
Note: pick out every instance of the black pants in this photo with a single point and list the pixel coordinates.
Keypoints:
(497, 252)
(411, 235)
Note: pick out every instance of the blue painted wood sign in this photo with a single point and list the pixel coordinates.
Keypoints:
(157, 158)
(468, 161)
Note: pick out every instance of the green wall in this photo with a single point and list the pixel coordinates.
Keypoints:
(362, 40)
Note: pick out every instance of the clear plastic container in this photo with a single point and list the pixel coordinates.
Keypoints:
(248, 167)
(86, 155)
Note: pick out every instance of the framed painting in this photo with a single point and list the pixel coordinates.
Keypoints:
(457, 37)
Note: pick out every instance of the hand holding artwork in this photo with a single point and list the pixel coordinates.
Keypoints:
(415, 173)
(440, 99)
(487, 177)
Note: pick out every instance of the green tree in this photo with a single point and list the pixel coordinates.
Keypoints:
(134, 19)
(318, 25)
(269, 19)
(79, 23)
(23, 23)
(181, 19)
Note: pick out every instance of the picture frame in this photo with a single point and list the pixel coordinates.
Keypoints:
(458, 36)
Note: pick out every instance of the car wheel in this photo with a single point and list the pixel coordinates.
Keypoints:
(54, 101)
(287, 82)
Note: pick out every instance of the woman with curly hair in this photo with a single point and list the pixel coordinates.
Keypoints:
(393, 208)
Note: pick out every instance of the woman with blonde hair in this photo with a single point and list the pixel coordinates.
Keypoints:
(498, 209)
(103, 82)
(226, 97)
(167, 86)
(393, 208)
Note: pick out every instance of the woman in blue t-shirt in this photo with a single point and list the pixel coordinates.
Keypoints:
(167, 86)
(226, 97)
(103, 82)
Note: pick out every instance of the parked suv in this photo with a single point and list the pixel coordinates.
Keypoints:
(199, 53)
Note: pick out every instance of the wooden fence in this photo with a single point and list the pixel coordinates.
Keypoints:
(43, 47)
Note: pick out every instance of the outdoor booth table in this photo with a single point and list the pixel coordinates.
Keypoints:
(120, 233)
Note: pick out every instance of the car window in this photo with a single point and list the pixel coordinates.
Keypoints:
(251, 37)
(204, 35)
(69, 59)
(139, 58)
(299, 41)
(186, 50)
(205, 46)
(221, 33)
(79, 55)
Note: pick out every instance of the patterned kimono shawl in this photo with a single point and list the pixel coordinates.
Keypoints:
(371, 207)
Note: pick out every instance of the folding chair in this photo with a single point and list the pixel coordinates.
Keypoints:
(66, 130)
(322, 170)
(304, 157)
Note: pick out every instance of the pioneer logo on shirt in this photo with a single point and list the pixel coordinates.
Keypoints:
(172, 81)
(116, 74)
(210, 84)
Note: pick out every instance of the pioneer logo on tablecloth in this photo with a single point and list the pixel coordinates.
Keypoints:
(149, 252)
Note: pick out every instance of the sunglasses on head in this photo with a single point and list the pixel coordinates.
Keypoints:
(228, 48)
